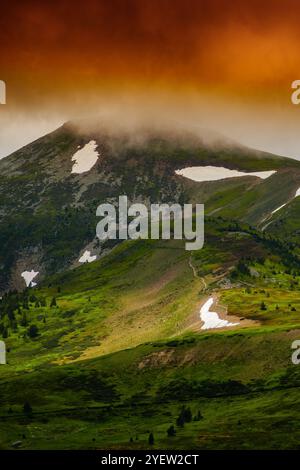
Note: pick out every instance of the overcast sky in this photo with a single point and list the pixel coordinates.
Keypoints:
(198, 62)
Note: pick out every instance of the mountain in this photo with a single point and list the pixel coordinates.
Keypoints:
(48, 212)
(149, 335)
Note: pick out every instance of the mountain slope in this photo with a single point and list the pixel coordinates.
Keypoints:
(48, 212)
(241, 380)
(148, 290)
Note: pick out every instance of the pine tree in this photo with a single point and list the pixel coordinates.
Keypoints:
(27, 408)
(151, 439)
(198, 416)
(33, 331)
(180, 420)
(171, 431)
(187, 415)
(24, 320)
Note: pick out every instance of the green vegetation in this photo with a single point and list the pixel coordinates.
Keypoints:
(143, 369)
(111, 354)
(243, 382)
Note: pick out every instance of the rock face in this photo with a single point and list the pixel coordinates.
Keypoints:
(47, 212)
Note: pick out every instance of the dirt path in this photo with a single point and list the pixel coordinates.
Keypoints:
(195, 274)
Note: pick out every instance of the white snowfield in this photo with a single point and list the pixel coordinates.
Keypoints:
(87, 257)
(85, 158)
(215, 173)
(212, 319)
(28, 276)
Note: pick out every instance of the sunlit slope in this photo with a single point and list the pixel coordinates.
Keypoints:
(148, 290)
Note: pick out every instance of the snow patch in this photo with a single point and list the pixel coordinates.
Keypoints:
(87, 257)
(282, 205)
(215, 173)
(28, 276)
(85, 158)
(278, 208)
(212, 319)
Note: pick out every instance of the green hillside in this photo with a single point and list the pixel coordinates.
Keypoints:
(242, 383)
(120, 352)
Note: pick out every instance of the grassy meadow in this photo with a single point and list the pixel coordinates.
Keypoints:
(102, 355)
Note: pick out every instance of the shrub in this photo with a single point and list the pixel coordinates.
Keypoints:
(27, 408)
(171, 431)
(33, 331)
